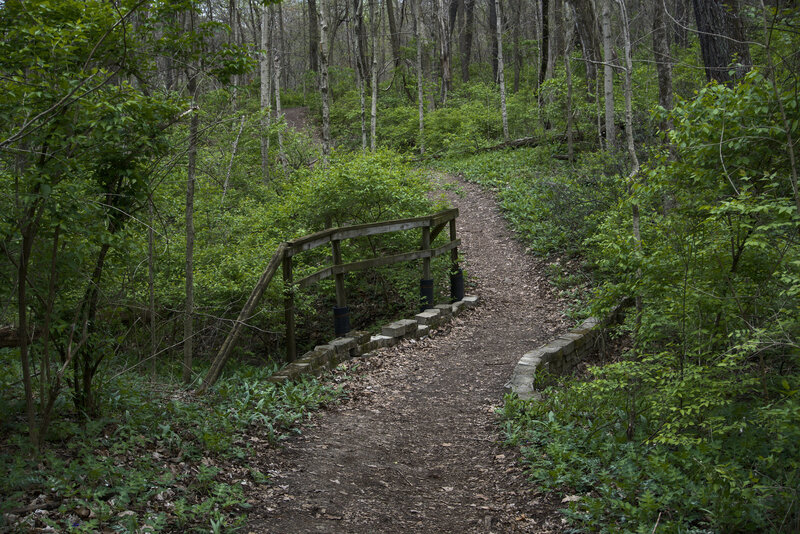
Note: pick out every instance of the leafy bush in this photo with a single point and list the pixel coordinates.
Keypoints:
(158, 459)
(696, 429)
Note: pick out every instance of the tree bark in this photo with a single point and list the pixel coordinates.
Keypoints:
(444, 50)
(313, 36)
(492, 26)
(394, 34)
(373, 123)
(151, 281)
(466, 47)
(277, 51)
(500, 70)
(545, 39)
(420, 74)
(323, 83)
(608, 76)
(662, 59)
(188, 318)
(589, 33)
(721, 40)
(516, 58)
(264, 65)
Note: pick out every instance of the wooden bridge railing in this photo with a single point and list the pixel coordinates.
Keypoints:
(431, 227)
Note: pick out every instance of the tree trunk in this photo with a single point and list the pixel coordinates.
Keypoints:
(188, 325)
(662, 59)
(492, 26)
(264, 65)
(444, 50)
(277, 51)
(466, 48)
(361, 32)
(608, 76)
(568, 70)
(313, 36)
(323, 83)
(394, 34)
(28, 230)
(516, 58)
(420, 74)
(151, 281)
(359, 73)
(545, 48)
(589, 32)
(721, 40)
(628, 90)
(373, 123)
(500, 70)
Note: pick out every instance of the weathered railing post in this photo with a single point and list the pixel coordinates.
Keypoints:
(288, 306)
(426, 284)
(456, 274)
(341, 313)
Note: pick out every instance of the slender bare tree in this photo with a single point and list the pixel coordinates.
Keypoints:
(501, 77)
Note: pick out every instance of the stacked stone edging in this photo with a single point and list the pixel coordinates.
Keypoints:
(362, 344)
(561, 355)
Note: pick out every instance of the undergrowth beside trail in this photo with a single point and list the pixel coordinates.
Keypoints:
(696, 427)
(160, 459)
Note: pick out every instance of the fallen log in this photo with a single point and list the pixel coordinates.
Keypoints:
(523, 142)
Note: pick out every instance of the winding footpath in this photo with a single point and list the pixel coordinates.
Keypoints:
(416, 447)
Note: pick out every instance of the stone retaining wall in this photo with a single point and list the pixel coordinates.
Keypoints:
(362, 344)
(561, 355)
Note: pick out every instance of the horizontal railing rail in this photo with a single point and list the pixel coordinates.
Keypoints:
(431, 226)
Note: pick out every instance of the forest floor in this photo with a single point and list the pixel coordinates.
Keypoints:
(415, 447)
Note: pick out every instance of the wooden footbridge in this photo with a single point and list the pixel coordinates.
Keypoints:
(431, 227)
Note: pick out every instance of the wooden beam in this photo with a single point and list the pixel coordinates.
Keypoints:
(247, 311)
(313, 241)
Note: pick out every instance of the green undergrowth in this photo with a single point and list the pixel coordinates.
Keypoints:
(695, 426)
(160, 459)
(551, 204)
(610, 449)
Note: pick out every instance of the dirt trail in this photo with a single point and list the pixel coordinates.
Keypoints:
(299, 119)
(416, 448)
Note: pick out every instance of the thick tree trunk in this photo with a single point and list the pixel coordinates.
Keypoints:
(721, 40)
(394, 33)
(361, 33)
(466, 47)
(608, 76)
(444, 50)
(492, 26)
(500, 70)
(313, 36)
(662, 59)
(589, 33)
